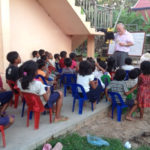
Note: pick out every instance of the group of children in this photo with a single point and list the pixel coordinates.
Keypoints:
(90, 74)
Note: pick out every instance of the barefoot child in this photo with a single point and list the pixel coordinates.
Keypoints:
(28, 84)
(143, 86)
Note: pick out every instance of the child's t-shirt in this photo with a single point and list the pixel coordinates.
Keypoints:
(12, 73)
(35, 87)
(85, 81)
(67, 71)
(119, 87)
(61, 63)
(127, 67)
(74, 64)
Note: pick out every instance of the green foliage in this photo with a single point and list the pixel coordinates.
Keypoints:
(130, 17)
(76, 142)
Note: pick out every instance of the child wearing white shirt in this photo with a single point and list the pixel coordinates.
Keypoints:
(27, 83)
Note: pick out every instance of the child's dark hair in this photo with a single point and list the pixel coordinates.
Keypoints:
(120, 75)
(41, 52)
(134, 73)
(102, 64)
(145, 67)
(85, 68)
(34, 53)
(41, 63)
(128, 61)
(28, 73)
(44, 57)
(12, 56)
(110, 64)
(47, 53)
(72, 55)
(56, 56)
(68, 62)
(63, 54)
(92, 62)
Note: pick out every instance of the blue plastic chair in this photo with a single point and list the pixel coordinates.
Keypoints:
(127, 75)
(58, 69)
(77, 96)
(67, 80)
(119, 107)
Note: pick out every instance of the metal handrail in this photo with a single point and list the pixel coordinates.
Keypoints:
(99, 16)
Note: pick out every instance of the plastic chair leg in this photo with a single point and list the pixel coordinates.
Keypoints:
(23, 106)
(50, 115)
(92, 106)
(31, 115)
(65, 89)
(36, 120)
(80, 106)
(28, 115)
(3, 135)
(118, 113)
(112, 115)
(16, 100)
(73, 106)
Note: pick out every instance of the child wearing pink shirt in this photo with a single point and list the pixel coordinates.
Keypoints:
(74, 63)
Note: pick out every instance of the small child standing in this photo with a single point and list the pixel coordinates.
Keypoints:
(35, 55)
(143, 95)
(12, 72)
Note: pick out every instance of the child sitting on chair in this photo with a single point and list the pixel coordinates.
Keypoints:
(35, 55)
(63, 55)
(12, 72)
(128, 64)
(85, 78)
(28, 84)
(5, 98)
(74, 63)
(118, 85)
(68, 69)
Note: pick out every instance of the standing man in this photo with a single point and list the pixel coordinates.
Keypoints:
(123, 41)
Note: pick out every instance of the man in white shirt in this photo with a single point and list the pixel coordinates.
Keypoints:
(123, 41)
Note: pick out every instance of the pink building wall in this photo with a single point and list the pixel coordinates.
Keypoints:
(31, 29)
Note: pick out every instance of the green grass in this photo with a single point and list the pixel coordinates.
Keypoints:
(76, 142)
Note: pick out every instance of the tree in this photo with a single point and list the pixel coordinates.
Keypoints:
(117, 3)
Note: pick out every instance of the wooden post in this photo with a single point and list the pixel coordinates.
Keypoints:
(91, 46)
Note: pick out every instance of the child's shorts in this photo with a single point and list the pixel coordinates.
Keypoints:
(5, 97)
(53, 98)
(4, 120)
(129, 102)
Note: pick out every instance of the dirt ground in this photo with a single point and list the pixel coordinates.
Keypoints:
(132, 131)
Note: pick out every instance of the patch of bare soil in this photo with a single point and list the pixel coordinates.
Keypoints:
(137, 132)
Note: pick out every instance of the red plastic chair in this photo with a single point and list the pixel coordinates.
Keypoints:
(112, 75)
(15, 91)
(35, 105)
(3, 135)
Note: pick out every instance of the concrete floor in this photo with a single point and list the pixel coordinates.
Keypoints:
(19, 137)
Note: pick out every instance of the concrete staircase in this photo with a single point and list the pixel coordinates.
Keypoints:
(69, 18)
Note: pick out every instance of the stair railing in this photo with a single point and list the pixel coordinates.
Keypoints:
(99, 16)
